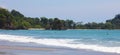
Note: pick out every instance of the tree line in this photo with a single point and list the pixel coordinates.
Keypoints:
(15, 20)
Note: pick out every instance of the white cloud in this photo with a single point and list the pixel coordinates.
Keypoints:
(2, 6)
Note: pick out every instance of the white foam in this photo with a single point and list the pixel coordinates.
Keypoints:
(59, 42)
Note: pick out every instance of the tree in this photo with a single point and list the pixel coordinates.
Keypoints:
(69, 24)
(44, 21)
(108, 25)
(115, 21)
(16, 20)
(80, 25)
(16, 13)
(56, 24)
(2, 20)
(5, 19)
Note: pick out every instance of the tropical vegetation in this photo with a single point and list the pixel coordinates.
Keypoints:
(15, 20)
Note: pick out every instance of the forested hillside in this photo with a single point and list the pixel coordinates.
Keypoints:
(15, 20)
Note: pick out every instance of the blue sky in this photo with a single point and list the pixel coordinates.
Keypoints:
(77, 10)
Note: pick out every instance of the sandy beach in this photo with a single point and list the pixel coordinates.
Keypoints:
(26, 48)
(13, 48)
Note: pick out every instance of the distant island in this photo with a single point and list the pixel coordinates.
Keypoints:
(14, 20)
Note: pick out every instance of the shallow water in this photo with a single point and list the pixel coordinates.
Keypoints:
(97, 40)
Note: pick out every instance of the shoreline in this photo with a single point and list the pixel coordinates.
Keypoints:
(66, 29)
(36, 28)
(25, 49)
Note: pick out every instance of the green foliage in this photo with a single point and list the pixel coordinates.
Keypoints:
(108, 25)
(16, 13)
(115, 22)
(5, 19)
(16, 20)
(37, 26)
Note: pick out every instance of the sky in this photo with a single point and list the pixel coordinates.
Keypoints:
(77, 10)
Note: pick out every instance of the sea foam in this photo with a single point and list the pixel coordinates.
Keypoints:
(59, 42)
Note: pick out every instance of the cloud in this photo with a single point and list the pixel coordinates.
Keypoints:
(2, 6)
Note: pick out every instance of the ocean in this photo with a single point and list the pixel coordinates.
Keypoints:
(88, 39)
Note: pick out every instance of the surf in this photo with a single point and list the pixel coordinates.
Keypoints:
(59, 42)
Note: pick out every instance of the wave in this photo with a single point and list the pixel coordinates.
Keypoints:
(59, 42)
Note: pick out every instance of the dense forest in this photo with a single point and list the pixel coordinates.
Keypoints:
(15, 20)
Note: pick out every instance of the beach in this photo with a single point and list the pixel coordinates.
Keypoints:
(51, 42)
(14, 48)
(59, 27)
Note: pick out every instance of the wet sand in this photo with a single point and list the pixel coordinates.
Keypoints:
(14, 48)
(26, 48)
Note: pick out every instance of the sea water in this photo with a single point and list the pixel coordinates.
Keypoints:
(96, 40)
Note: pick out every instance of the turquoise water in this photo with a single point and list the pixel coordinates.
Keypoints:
(110, 37)
(69, 38)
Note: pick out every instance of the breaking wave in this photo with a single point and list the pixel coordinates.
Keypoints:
(60, 42)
